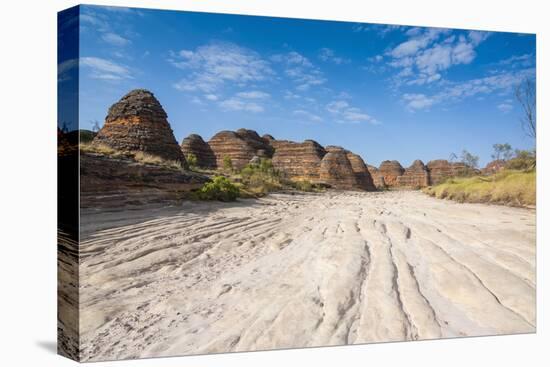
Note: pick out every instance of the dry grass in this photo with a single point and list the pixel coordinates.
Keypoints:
(509, 187)
(140, 157)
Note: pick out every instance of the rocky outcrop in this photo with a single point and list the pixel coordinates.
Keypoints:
(138, 123)
(440, 170)
(268, 138)
(194, 144)
(336, 171)
(362, 174)
(391, 170)
(494, 167)
(377, 177)
(415, 176)
(298, 161)
(240, 146)
(117, 182)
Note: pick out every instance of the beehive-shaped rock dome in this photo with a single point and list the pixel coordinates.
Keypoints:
(139, 123)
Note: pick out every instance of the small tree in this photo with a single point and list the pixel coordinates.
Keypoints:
(469, 159)
(502, 151)
(227, 164)
(526, 94)
(95, 126)
(191, 160)
(453, 157)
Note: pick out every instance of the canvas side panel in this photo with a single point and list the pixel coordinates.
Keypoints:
(67, 184)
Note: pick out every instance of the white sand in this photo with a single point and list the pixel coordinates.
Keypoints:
(304, 270)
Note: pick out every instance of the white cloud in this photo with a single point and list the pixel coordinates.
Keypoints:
(196, 100)
(211, 97)
(424, 56)
(105, 69)
(502, 83)
(505, 107)
(300, 70)
(308, 115)
(255, 94)
(115, 39)
(345, 113)
(328, 55)
(376, 58)
(216, 64)
(90, 19)
(418, 101)
(519, 60)
(237, 104)
(337, 106)
(381, 29)
(291, 95)
(476, 37)
(64, 68)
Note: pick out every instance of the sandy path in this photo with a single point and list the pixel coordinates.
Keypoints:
(303, 270)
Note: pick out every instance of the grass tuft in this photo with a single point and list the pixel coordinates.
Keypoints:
(138, 156)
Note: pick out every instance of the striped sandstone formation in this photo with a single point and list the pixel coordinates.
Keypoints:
(441, 170)
(377, 177)
(194, 144)
(298, 161)
(362, 175)
(336, 170)
(391, 170)
(240, 146)
(139, 123)
(415, 176)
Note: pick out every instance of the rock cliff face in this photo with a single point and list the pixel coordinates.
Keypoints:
(298, 161)
(118, 182)
(240, 146)
(362, 174)
(194, 144)
(415, 176)
(440, 170)
(390, 170)
(377, 177)
(336, 170)
(494, 167)
(138, 123)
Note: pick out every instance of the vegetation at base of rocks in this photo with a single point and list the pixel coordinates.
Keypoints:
(220, 189)
(307, 186)
(258, 179)
(86, 136)
(508, 187)
(140, 157)
(191, 160)
(227, 164)
(523, 160)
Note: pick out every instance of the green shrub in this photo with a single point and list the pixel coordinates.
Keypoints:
(523, 160)
(219, 189)
(227, 164)
(303, 186)
(191, 160)
(260, 178)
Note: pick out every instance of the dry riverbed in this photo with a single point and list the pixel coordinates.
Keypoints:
(302, 270)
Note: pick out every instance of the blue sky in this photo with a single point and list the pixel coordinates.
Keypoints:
(385, 92)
